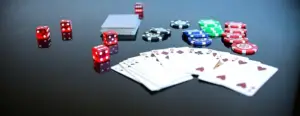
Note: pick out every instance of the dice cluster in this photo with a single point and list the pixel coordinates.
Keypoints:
(43, 33)
(101, 53)
(139, 9)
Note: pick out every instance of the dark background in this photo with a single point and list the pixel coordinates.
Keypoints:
(60, 81)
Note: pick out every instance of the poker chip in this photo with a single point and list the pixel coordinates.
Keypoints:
(232, 24)
(235, 40)
(202, 35)
(244, 48)
(209, 23)
(153, 37)
(180, 24)
(195, 33)
(160, 30)
(213, 30)
(235, 30)
(199, 41)
(138, 5)
(233, 35)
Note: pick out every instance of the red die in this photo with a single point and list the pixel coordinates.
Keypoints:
(110, 38)
(42, 32)
(66, 25)
(100, 53)
(138, 5)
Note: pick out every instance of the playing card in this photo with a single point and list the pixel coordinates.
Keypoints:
(168, 62)
(199, 60)
(179, 56)
(162, 68)
(124, 72)
(154, 73)
(139, 76)
(251, 77)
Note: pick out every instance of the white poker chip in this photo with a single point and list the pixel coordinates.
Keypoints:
(153, 37)
(180, 24)
(160, 30)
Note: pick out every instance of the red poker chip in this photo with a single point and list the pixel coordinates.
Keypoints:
(232, 24)
(235, 40)
(233, 35)
(244, 48)
(235, 30)
(138, 10)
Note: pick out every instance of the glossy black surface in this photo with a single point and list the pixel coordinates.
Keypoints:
(61, 81)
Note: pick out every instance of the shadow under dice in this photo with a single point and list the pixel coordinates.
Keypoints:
(102, 67)
(113, 49)
(66, 36)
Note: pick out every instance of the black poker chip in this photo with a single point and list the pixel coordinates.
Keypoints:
(154, 37)
(180, 24)
(161, 30)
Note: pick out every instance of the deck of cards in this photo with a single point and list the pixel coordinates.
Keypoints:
(123, 24)
(162, 68)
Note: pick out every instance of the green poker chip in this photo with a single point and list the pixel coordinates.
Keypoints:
(209, 23)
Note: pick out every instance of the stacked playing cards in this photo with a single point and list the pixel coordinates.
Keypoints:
(123, 24)
(162, 68)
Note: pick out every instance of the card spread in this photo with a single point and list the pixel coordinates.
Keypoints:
(162, 68)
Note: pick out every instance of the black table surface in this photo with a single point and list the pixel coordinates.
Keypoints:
(60, 81)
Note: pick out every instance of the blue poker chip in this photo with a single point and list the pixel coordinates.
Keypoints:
(192, 31)
(202, 35)
(199, 41)
(195, 33)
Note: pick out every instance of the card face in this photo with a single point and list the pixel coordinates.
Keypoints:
(124, 72)
(179, 57)
(254, 76)
(139, 76)
(134, 68)
(169, 63)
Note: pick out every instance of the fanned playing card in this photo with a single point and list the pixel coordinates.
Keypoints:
(162, 68)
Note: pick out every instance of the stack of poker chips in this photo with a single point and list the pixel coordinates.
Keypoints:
(235, 36)
(66, 29)
(196, 38)
(139, 9)
(156, 34)
(234, 32)
(212, 27)
(110, 39)
(43, 36)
